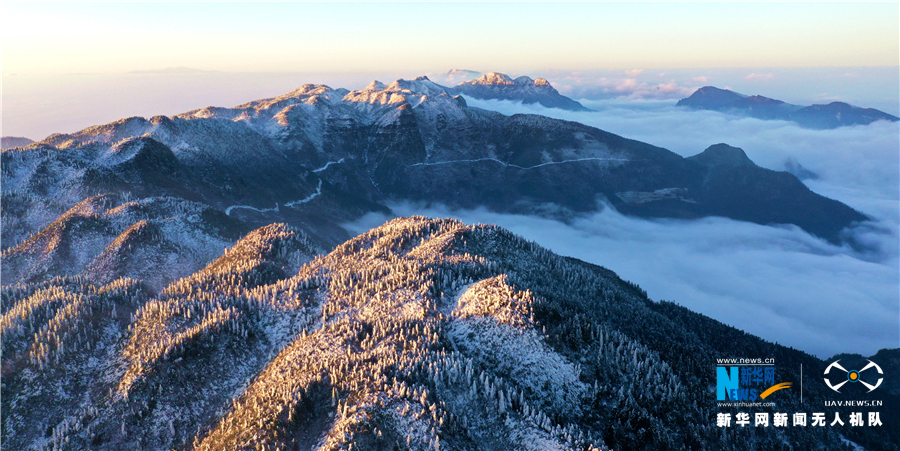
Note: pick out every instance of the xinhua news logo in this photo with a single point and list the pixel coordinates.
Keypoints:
(746, 380)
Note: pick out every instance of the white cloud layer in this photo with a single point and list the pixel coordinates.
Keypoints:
(776, 282)
(763, 77)
(870, 87)
(629, 87)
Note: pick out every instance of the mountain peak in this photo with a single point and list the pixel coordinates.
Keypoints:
(843, 105)
(832, 115)
(524, 80)
(712, 89)
(141, 153)
(496, 85)
(428, 329)
(492, 78)
(723, 156)
(711, 97)
(14, 141)
(420, 86)
(536, 82)
(311, 89)
(758, 99)
(375, 86)
(500, 79)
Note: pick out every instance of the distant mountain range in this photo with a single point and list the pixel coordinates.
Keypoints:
(498, 86)
(832, 115)
(8, 142)
(318, 157)
(184, 283)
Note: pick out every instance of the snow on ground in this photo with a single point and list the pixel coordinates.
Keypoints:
(503, 163)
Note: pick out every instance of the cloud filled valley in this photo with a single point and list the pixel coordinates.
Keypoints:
(433, 333)
(778, 282)
(775, 282)
(450, 227)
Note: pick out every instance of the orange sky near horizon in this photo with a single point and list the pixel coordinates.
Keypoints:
(60, 38)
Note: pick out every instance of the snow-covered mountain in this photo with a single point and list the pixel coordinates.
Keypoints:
(108, 236)
(420, 334)
(523, 89)
(832, 115)
(168, 284)
(317, 157)
(454, 77)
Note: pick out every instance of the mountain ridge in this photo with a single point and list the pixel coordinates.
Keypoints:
(317, 157)
(7, 142)
(832, 115)
(421, 333)
(120, 305)
(495, 85)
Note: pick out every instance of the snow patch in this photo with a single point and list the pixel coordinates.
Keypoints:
(852, 445)
(436, 163)
(308, 198)
(289, 204)
(263, 210)
(326, 167)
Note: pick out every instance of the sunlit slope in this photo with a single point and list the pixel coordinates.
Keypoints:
(420, 334)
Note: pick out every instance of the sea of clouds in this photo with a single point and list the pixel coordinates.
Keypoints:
(777, 282)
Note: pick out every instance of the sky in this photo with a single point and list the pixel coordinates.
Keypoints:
(60, 38)
(67, 66)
